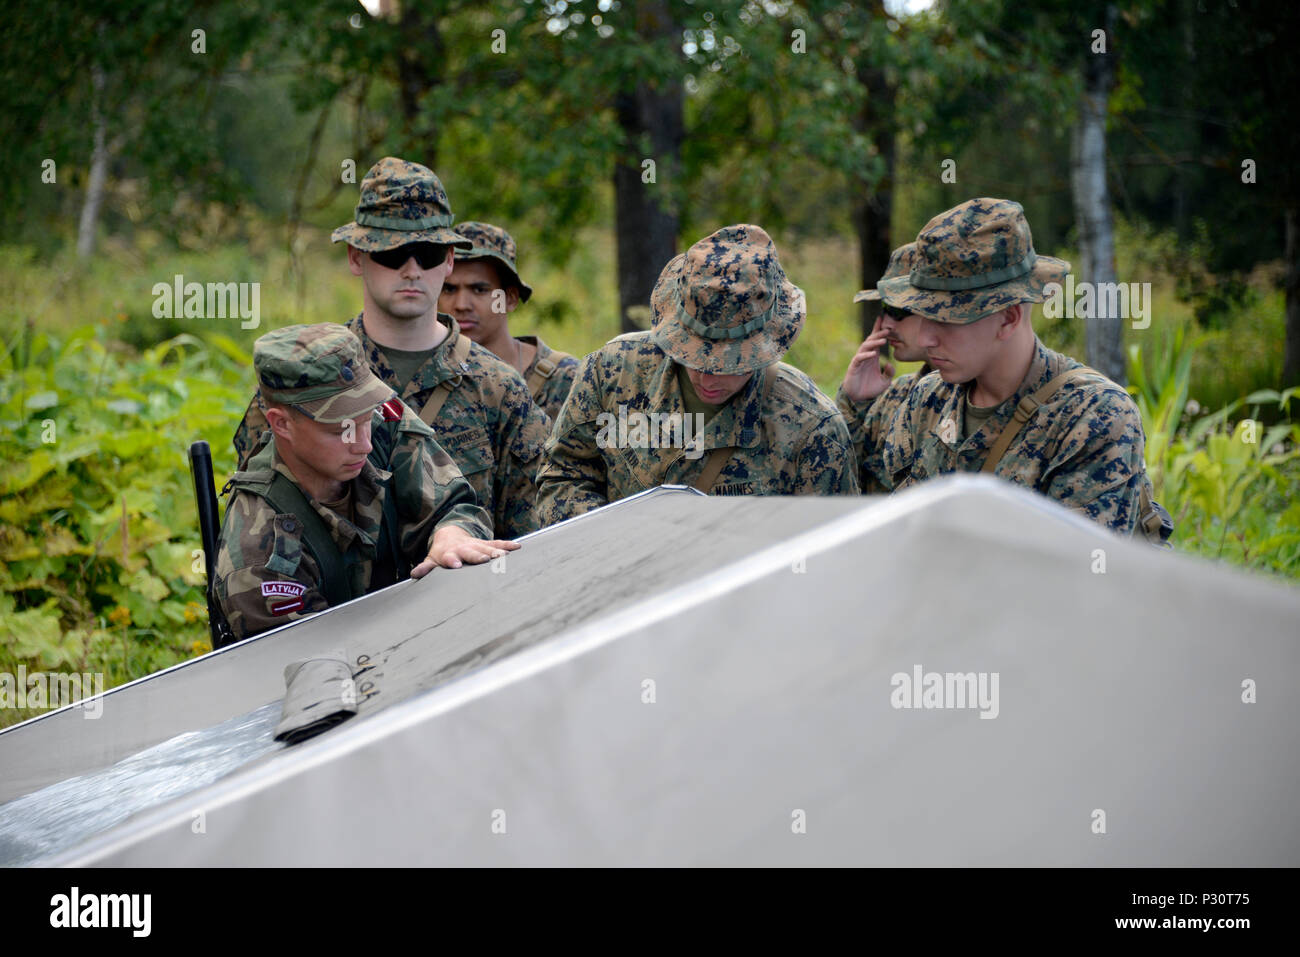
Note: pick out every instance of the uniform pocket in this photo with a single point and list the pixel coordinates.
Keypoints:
(640, 468)
(286, 550)
(469, 449)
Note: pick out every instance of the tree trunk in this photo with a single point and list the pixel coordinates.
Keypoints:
(1092, 208)
(873, 213)
(1291, 361)
(645, 211)
(419, 70)
(98, 168)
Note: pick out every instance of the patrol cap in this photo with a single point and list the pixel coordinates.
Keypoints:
(725, 306)
(900, 263)
(493, 242)
(401, 202)
(319, 370)
(971, 261)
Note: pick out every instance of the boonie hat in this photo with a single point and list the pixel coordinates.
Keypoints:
(493, 242)
(974, 260)
(401, 202)
(725, 306)
(900, 262)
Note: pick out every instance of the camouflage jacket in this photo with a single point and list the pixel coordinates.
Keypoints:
(549, 389)
(264, 577)
(489, 424)
(1083, 447)
(868, 422)
(789, 441)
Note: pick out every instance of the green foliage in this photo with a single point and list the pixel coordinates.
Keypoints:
(99, 545)
(1229, 484)
(1236, 352)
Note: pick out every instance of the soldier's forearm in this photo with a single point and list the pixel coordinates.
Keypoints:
(472, 519)
(560, 499)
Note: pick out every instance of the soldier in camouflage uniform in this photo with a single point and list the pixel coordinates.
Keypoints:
(312, 522)
(724, 314)
(480, 296)
(1078, 439)
(869, 417)
(401, 246)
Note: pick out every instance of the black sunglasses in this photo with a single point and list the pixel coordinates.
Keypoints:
(893, 312)
(427, 255)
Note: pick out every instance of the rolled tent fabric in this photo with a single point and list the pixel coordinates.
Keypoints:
(319, 694)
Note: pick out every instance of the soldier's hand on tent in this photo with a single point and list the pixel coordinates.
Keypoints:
(866, 378)
(452, 547)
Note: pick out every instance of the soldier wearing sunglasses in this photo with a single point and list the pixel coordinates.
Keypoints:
(867, 412)
(401, 245)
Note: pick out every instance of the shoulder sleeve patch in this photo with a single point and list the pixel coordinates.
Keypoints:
(283, 589)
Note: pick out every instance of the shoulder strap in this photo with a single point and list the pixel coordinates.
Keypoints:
(459, 353)
(254, 480)
(389, 530)
(713, 467)
(287, 498)
(389, 566)
(1154, 521)
(718, 458)
(543, 369)
(1025, 411)
(434, 405)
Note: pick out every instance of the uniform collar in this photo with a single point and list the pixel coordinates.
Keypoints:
(736, 425)
(438, 368)
(368, 489)
(952, 412)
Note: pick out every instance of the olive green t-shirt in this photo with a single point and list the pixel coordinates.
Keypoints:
(343, 507)
(405, 363)
(974, 417)
(694, 404)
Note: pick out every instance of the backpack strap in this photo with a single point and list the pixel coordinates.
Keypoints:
(286, 498)
(713, 467)
(718, 458)
(1025, 411)
(389, 542)
(459, 353)
(1154, 521)
(543, 369)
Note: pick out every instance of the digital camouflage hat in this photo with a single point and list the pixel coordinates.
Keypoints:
(725, 306)
(974, 260)
(493, 242)
(900, 262)
(320, 370)
(401, 202)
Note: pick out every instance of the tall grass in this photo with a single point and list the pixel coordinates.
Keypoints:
(1227, 477)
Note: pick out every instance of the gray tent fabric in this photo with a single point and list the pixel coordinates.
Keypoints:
(319, 695)
(62, 815)
(961, 674)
